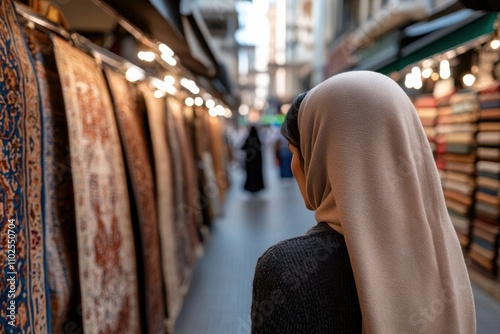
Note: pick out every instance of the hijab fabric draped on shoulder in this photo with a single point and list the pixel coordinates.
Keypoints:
(371, 176)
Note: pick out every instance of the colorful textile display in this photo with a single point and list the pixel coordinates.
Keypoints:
(165, 201)
(106, 251)
(24, 304)
(489, 126)
(59, 205)
(185, 236)
(195, 210)
(206, 159)
(456, 130)
(450, 125)
(104, 202)
(484, 249)
(219, 152)
(427, 110)
(187, 206)
(488, 138)
(200, 139)
(138, 162)
(203, 214)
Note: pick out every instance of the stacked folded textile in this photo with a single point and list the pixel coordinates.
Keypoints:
(444, 112)
(427, 111)
(456, 132)
(484, 248)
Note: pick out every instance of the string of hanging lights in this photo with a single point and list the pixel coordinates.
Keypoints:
(439, 66)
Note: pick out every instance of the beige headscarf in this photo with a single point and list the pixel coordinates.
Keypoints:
(371, 176)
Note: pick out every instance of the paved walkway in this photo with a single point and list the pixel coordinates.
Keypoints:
(219, 299)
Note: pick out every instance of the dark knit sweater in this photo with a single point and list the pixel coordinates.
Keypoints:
(306, 285)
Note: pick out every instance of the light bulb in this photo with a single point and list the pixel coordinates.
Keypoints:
(190, 85)
(409, 80)
(169, 59)
(427, 72)
(444, 69)
(159, 94)
(427, 63)
(169, 79)
(212, 112)
(198, 101)
(220, 110)
(146, 56)
(171, 89)
(210, 103)
(243, 110)
(469, 79)
(415, 71)
(166, 50)
(495, 44)
(189, 101)
(133, 74)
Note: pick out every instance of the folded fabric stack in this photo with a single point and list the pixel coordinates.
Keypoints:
(456, 131)
(426, 107)
(443, 113)
(484, 248)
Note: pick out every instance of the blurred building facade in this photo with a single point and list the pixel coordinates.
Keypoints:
(312, 40)
(221, 19)
(366, 33)
(291, 47)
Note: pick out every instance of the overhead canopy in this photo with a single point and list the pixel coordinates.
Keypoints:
(162, 21)
(383, 52)
(185, 34)
(439, 39)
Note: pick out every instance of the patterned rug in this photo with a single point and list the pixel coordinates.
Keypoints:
(59, 205)
(184, 123)
(219, 150)
(205, 151)
(23, 280)
(165, 201)
(189, 172)
(136, 153)
(185, 236)
(195, 131)
(106, 250)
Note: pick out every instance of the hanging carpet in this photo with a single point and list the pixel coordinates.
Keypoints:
(106, 251)
(23, 277)
(59, 205)
(137, 159)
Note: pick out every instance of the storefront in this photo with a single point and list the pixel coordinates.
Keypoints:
(111, 173)
(449, 67)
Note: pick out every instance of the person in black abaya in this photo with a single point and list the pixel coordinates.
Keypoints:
(253, 162)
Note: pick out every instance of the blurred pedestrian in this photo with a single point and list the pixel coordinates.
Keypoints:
(384, 256)
(253, 162)
(283, 157)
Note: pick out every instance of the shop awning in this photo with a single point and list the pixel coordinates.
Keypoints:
(439, 41)
(383, 52)
(161, 20)
(186, 33)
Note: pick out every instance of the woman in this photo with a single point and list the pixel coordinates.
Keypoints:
(384, 257)
(253, 162)
(283, 157)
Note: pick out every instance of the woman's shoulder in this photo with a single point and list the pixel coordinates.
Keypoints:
(306, 285)
(318, 245)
